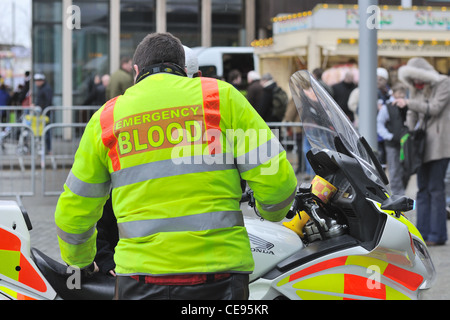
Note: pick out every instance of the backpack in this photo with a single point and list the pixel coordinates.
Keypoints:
(279, 102)
(395, 124)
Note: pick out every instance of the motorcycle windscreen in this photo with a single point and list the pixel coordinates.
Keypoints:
(326, 126)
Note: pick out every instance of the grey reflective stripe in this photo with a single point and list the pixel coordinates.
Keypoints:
(74, 238)
(171, 167)
(260, 155)
(197, 222)
(278, 206)
(89, 190)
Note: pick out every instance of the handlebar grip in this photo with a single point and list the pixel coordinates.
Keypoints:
(290, 214)
(245, 197)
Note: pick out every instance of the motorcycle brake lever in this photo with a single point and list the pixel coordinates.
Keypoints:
(310, 203)
(318, 219)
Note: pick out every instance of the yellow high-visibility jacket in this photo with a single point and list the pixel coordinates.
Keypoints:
(173, 150)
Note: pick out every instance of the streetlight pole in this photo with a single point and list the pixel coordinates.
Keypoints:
(369, 21)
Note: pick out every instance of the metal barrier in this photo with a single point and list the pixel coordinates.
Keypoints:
(17, 160)
(61, 155)
(73, 114)
(23, 133)
(24, 142)
(292, 141)
(286, 138)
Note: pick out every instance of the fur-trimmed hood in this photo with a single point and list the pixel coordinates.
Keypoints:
(420, 69)
(433, 99)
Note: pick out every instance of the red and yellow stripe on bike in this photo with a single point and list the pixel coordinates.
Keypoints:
(16, 266)
(337, 285)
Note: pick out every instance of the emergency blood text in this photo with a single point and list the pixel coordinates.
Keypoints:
(159, 129)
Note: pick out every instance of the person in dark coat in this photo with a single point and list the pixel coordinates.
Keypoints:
(44, 98)
(265, 110)
(391, 127)
(107, 239)
(24, 92)
(97, 96)
(341, 93)
(5, 98)
(254, 90)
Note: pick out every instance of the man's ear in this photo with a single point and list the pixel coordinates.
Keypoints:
(136, 72)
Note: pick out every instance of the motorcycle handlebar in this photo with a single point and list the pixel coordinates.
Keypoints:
(245, 197)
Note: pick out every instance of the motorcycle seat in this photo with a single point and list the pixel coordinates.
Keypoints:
(99, 286)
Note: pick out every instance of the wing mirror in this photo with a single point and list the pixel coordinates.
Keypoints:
(398, 203)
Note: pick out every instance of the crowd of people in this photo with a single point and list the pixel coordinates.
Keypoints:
(20, 96)
(420, 95)
(401, 107)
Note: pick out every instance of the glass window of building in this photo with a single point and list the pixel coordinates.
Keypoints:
(47, 44)
(184, 21)
(137, 19)
(228, 23)
(90, 49)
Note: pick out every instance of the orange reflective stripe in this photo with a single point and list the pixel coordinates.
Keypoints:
(358, 286)
(409, 279)
(29, 276)
(17, 266)
(336, 262)
(9, 241)
(211, 107)
(108, 137)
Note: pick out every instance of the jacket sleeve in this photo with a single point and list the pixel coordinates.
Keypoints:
(261, 161)
(80, 205)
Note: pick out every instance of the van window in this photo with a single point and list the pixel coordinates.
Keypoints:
(240, 61)
(208, 71)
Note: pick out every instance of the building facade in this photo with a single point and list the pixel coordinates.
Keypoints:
(328, 36)
(73, 40)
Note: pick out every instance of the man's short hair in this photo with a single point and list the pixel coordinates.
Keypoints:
(158, 48)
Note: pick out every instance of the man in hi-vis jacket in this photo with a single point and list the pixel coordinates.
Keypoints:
(173, 149)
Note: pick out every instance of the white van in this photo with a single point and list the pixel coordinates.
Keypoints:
(219, 61)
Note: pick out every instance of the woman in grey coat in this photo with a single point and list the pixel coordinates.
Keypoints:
(429, 91)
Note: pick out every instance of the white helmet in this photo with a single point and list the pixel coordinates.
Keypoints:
(191, 61)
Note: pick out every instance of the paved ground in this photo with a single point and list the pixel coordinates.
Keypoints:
(43, 237)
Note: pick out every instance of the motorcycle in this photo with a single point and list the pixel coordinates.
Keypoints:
(345, 236)
(27, 273)
(348, 237)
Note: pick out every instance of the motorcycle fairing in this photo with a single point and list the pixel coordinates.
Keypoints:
(270, 243)
(411, 228)
(364, 222)
(351, 277)
(22, 269)
(419, 255)
(339, 268)
(19, 275)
